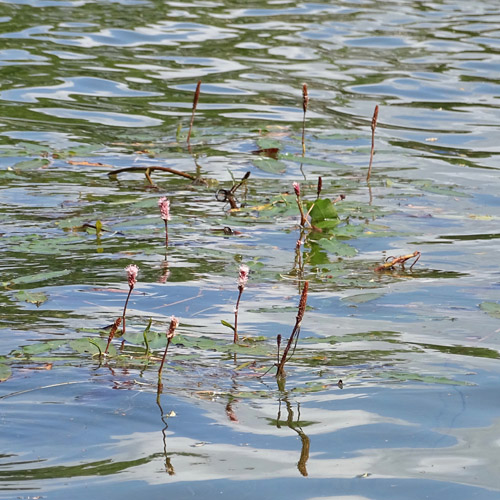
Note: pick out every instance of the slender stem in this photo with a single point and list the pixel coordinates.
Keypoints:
(372, 150)
(195, 103)
(295, 331)
(163, 361)
(166, 235)
(125, 309)
(236, 338)
(305, 101)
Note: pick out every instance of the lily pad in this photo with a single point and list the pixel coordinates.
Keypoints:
(491, 308)
(323, 209)
(5, 372)
(37, 298)
(338, 248)
(35, 278)
(269, 165)
(361, 298)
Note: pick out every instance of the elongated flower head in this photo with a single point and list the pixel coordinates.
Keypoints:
(243, 276)
(132, 271)
(296, 188)
(164, 204)
(305, 97)
(174, 323)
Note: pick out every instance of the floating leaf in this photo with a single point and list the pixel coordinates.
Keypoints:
(5, 372)
(337, 248)
(427, 379)
(361, 298)
(491, 308)
(34, 164)
(269, 165)
(37, 298)
(323, 209)
(41, 347)
(83, 346)
(431, 187)
(35, 278)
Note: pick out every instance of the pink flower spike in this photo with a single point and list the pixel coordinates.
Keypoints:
(243, 276)
(174, 323)
(296, 188)
(132, 271)
(164, 204)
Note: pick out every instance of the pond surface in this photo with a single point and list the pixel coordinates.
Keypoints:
(92, 87)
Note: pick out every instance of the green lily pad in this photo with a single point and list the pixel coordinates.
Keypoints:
(34, 164)
(5, 372)
(35, 278)
(427, 379)
(361, 298)
(323, 209)
(37, 298)
(269, 165)
(338, 248)
(491, 308)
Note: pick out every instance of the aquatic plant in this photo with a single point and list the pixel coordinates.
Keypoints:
(372, 150)
(195, 104)
(132, 271)
(164, 204)
(242, 281)
(228, 195)
(305, 102)
(112, 333)
(303, 218)
(391, 262)
(174, 323)
(294, 336)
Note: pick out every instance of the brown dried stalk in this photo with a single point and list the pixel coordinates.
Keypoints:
(391, 262)
(195, 103)
(295, 332)
(147, 171)
(305, 102)
(372, 150)
(112, 333)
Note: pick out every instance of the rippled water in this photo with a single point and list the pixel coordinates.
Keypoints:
(89, 87)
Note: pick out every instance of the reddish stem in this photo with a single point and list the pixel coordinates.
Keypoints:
(236, 338)
(125, 309)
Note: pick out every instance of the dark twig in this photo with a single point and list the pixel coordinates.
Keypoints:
(227, 195)
(151, 169)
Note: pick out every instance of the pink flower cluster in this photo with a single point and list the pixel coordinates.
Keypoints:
(243, 276)
(174, 323)
(132, 271)
(164, 204)
(296, 188)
